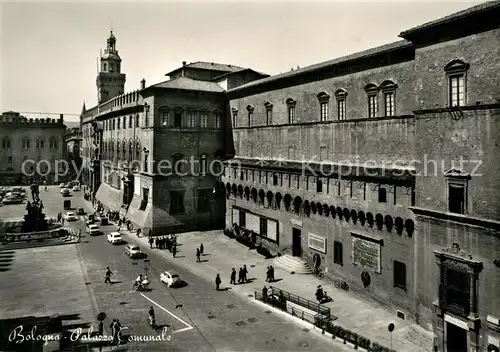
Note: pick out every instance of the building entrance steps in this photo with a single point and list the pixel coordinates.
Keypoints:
(354, 312)
(293, 264)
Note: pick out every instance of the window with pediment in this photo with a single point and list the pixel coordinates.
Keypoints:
(250, 109)
(203, 119)
(217, 120)
(457, 190)
(372, 91)
(456, 74)
(269, 113)
(291, 105)
(341, 98)
(192, 119)
(389, 91)
(324, 101)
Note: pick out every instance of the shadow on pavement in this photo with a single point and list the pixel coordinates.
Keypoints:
(115, 282)
(180, 284)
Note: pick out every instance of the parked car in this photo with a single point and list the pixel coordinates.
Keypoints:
(61, 185)
(65, 192)
(115, 238)
(93, 230)
(133, 251)
(81, 211)
(76, 188)
(170, 279)
(12, 200)
(70, 216)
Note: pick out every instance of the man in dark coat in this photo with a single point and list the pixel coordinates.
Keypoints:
(233, 277)
(218, 281)
(198, 253)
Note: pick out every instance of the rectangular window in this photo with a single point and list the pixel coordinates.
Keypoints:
(319, 185)
(275, 179)
(124, 122)
(389, 103)
(250, 118)
(192, 119)
(10, 160)
(130, 122)
(457, 90)
(341, 109)
(291, 114)
(338, 255)
(204, 196)
(399, 275)
(119, 124)
(146, 116)
(372, 105)
(235, 119)
(456, 198)
(242, 219)
(317, 243)
(176, 202)
(324, 111)
(178, 119)
(216, 120)
(165, 118)
(263, 227)
(146, 161)
(204, 120)
(137, 120)
(144, 200)
(269, 117)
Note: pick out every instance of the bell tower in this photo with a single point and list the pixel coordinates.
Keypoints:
(110, 81)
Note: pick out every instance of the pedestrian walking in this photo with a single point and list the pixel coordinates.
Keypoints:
(174, 250)
(108, 275)
(264, 294)
(198, 253)
(233, 277)
(151, 242)
(201, 249)
(218, 281)
(271, 273)
(157, 243)
(100, 330)
(245, 273)
(268, 274)
(240, 275)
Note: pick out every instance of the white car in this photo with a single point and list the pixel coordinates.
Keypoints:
(65, 191)
(170, 279)
(94, 230)
(115, 238)
(133, 250)
(76, 188)
(70, 216)
(61, 185)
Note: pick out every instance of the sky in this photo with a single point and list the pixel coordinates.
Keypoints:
(49, 51)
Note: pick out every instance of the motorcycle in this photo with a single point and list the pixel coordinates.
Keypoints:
(143, 285)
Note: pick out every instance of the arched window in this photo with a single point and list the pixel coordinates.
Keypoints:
(6, 143)
(389, 91)
(138, 150)
(456, 72)
(40, 142)
(54, 143)
(291, 103)
(118, 147)
(372, 90)
(124, 150)
(26, 143)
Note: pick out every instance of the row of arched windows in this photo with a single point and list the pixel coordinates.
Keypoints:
(122, 150)
(27, 143)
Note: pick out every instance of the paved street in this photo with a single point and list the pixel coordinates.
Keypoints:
(207, 320)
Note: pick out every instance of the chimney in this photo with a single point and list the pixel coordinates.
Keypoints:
(143, 84)
(61, 118)
(183, 63)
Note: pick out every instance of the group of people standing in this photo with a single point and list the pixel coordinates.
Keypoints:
(165, 242)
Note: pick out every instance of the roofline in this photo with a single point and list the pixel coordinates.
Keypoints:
(197, 68)
(404, 44)
(265, 75)
(151, 88)
(451, 18)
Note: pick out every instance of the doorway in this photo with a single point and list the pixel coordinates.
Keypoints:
(296, 242)
(456, 338)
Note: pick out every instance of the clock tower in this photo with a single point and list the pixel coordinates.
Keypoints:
(110, 81)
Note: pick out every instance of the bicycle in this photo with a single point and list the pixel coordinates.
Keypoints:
(319, 273)
(341, 284)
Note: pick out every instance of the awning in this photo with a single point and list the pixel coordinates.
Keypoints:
(109, 197)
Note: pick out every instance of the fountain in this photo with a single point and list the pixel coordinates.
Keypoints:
(34, 220)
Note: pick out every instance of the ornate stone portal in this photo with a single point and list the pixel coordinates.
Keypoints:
(457, 303)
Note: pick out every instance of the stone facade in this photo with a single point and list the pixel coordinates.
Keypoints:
(36, 143)
(384, 162)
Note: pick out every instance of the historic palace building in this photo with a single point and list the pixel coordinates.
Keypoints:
(36, 143)
(149, 153)
(382, 168)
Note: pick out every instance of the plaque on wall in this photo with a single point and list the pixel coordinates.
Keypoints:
(366, 253)
(272, 230)
(253, 223)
